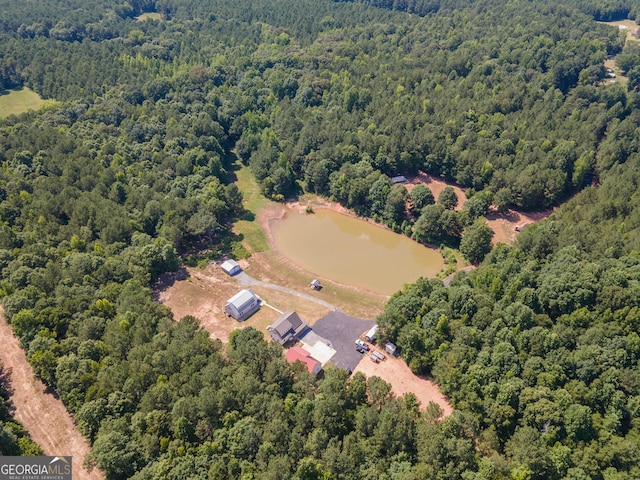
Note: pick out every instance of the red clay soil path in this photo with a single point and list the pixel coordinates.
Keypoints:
(42, 414)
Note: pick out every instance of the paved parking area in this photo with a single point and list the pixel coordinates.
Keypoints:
(342, 330)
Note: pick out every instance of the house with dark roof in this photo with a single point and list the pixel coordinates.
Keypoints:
(298, 354)
(287, 326)
(242, 305)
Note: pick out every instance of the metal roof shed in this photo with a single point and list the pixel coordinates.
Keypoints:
(231, 267)
(391, 349)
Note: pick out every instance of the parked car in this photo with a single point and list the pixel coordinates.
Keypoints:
(361, 344)
(360, 349)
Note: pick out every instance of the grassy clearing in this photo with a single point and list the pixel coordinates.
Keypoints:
(149, 16)
(308, 310)
(19, 101)
(266, 264)
(360, 303)
(611, 63)
(204, 291)
(253, 235)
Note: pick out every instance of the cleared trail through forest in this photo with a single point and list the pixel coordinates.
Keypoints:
(42, 414)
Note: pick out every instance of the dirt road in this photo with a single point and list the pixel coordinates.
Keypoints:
(42, 414)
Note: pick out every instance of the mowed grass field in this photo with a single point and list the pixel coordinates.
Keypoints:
(15, 102)
(253, 234)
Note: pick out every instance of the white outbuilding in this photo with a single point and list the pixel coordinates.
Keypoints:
(231, 267)
(370, 336)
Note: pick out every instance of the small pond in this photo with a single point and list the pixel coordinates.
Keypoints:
(352, 251)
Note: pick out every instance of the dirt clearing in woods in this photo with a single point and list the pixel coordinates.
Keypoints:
(436, 185)
(396, 372)
(503, 225)
(203, 294)
(42, 414)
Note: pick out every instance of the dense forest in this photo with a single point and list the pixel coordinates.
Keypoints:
(132, 170)
(600, 10)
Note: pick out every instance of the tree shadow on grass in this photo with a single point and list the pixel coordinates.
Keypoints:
(49, 390)
(247, 215)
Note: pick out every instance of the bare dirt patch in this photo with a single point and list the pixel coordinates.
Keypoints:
(503, 225)
(42, 414)
(436, 185)
(203, 294)
(148, 16)
(396, 372)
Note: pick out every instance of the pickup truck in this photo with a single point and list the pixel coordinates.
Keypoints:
(361, 344)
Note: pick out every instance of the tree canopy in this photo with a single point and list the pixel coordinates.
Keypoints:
(131, 171)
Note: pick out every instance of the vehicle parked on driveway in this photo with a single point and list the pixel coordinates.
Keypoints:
(361, 344)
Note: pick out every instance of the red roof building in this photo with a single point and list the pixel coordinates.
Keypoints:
(299, 354)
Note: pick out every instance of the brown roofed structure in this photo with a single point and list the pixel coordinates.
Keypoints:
(288, 326)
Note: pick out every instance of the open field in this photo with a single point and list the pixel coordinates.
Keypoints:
(255, 239)
(149, 16)
(41, 413)
(627, 26)
(15, 102)
(202, 294)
